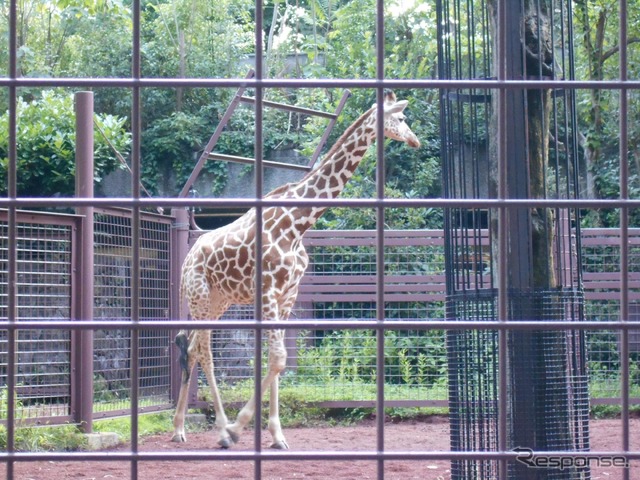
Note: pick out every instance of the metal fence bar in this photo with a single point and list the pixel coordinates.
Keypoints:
(360, 83)
(259, 185)
(600, 246)
(624, 236)
(83, 340)
(12, 323)
(12, 191)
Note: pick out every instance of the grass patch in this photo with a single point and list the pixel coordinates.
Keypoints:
(299, 403)
(148, 424)
(59, 438)
(612, 411)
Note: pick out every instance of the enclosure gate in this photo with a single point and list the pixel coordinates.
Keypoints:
(46, 266)
(47, 289)
(112, 302)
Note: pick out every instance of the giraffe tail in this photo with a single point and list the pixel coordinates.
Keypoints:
(182, 342)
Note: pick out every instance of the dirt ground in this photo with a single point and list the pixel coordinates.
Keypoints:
(424, 435)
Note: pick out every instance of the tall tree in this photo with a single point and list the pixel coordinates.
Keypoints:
(597, 53)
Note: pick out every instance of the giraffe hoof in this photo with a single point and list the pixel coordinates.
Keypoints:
(281, 445)
(225, 443)
(179, 438)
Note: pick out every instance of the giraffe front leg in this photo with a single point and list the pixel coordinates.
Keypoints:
(277, 361)
(279, 442)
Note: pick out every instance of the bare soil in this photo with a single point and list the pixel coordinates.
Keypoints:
(424, 435)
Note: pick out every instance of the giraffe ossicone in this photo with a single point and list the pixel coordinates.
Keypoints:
(219, 270)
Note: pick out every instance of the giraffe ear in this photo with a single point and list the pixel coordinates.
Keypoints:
(396, 107)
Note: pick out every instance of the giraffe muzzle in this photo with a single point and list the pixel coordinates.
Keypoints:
(413, 142)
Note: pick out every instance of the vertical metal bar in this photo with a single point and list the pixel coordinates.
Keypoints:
(83, 377)
(258, 244)
(179, 250)
(624, 235)
(380, 222)
(516, 136)
(135, 232)
(12, 190)
(502, 237)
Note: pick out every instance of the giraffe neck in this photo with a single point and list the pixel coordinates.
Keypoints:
(330, 177)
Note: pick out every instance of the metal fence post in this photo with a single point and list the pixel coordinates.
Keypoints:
(82, 346)
(179, 250)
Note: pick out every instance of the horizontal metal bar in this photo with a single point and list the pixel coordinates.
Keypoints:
(286, 455)
(29, 202)
(320, 324)
(387, 404)
(252, 161)
(362, 83)
(612, 400)
(290, 108)
(125, 412)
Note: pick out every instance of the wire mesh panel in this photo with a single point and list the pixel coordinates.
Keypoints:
(112, 284)
(601, 272)
(335, 365)
(44, 279)
(340, 284)
(473, 386)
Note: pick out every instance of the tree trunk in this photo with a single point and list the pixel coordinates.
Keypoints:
(539, 417)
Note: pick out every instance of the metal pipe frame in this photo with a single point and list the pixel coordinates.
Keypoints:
(501, 85)
(82, 340)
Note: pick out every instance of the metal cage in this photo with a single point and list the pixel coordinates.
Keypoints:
(540, 258)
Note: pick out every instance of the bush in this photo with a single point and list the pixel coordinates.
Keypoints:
(46, 146)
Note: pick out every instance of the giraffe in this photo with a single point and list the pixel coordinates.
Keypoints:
(219, 270)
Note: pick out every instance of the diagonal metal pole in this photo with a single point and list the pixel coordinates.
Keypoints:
(214, 139)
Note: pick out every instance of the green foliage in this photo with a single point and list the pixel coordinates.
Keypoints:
(597, 58)
(186, 39)
(170, 146)
(46, 146)
(31, 438)
(412, 358)
(299, 399)
(44, 438)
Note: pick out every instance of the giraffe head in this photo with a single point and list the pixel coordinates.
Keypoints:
(394, 120)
